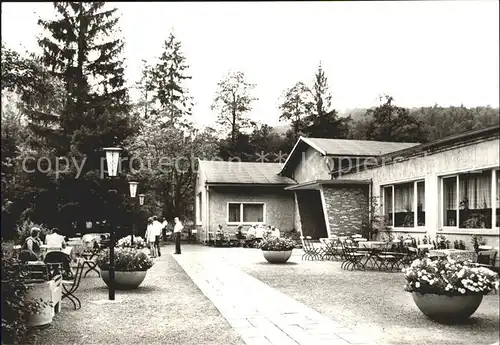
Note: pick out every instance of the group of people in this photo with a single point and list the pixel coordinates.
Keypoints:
(254, 234)
(156, 229)
(56, 245)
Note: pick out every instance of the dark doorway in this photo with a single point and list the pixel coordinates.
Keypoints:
(312, 217)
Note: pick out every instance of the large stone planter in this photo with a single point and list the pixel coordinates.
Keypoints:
(447, 309)
(125, 280)
(277, 257)
(50, 293)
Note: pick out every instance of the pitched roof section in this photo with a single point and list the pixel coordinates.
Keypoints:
(347, 147)
(222, 172)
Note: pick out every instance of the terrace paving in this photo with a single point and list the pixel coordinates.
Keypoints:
(257, 312)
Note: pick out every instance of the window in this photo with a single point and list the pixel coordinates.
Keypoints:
(450, 201)
(470, 200)
(388, 204)
(421, 203)
(198, 209)
(497, 197)
(245, 213)
(404, 204)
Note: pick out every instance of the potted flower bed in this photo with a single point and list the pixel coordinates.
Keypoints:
(448, 291)
(277, 250)
(131, 265)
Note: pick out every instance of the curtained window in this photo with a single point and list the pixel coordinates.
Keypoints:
(234, 213)
(388, 204)
(246, 213)
(253, 213)
(408, 201)
(421, 203)
(403, 204)
(468, 200)
(475, 200)
(497, 201)
(450, 201)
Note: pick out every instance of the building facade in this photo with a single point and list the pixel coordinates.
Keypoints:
(448, 187)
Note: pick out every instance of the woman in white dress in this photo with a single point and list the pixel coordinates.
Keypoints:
(151, 237)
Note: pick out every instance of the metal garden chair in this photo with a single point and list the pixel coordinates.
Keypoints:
(310, 251)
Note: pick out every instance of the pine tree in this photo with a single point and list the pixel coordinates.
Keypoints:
(168, 76)
(324, 121)
(82, 49)
(146, 88)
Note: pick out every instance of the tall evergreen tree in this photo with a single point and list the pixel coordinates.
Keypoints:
(168, 76)
(146, 87)
(324, 122)
(82, 49)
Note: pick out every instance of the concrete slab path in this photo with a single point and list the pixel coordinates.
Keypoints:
(258, 313)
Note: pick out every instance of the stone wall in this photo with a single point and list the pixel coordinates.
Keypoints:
(347, 207)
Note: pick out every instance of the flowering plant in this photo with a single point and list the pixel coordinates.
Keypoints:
(126, 242)
(127, 259)
(277, 244)
(449, 277)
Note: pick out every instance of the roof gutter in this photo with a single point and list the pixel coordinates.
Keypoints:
(225, 184)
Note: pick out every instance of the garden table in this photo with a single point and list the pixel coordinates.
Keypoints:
(360, 239)
(374, 244)
(455, 254)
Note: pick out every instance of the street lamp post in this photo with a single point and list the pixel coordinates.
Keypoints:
(133, 191)
(112, 159)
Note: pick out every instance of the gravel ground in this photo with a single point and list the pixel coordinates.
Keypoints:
(167, 308)
(372, 303)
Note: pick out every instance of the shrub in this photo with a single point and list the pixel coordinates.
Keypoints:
(126, 260)
(277, 244)
(449, 277)
(16, 308)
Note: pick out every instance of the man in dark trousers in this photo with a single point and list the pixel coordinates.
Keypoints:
(177, 234)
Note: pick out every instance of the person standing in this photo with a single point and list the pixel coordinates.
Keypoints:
(177, 234)
(150, 237)
(164, 225)
(157, 233)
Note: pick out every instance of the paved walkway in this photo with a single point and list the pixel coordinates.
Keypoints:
(257, 312)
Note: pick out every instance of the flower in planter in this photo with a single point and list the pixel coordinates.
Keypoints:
(127, 259)
(277, 244)
(126, 242)
(449, 277)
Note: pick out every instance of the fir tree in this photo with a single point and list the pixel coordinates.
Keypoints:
(82, 49)
(324, 122)
(168, 77)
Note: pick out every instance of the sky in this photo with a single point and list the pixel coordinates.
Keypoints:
(420, 52)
